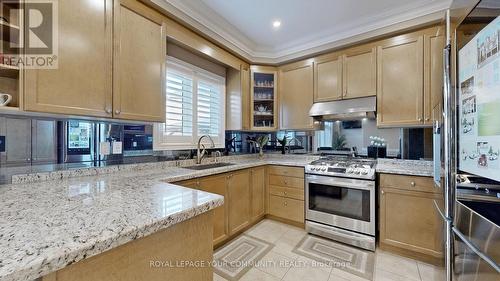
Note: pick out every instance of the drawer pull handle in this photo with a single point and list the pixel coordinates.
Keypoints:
(285, 203)
(412, 183)
(285, 193)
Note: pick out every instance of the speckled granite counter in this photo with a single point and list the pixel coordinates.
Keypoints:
(405, 167)
(51, 220)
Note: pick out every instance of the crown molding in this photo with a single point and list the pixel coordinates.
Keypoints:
(222, 32)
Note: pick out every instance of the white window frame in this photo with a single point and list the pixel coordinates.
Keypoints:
(162, 141)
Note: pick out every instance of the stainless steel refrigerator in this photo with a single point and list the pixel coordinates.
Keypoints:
(467, 142)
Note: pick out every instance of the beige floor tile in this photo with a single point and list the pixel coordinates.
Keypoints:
(219, 278)
(275, 264)
(267, 230)
(287, 242)
(396, 264)
(257, 275)
(383, 275)
(302, 271)
(429, 272)
(344, 275)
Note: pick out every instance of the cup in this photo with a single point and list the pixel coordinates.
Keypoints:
(5, 99)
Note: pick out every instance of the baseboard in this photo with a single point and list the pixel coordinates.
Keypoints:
(411, 254)
(287, 221)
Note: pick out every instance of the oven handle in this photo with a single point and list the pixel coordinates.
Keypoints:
(348, 183)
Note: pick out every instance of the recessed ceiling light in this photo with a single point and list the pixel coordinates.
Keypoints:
(276, 24)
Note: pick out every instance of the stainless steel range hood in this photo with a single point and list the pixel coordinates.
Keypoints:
(344, 110)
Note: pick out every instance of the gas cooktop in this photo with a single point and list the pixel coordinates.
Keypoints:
(361, 168)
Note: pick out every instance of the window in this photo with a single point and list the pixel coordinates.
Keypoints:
(195, 106)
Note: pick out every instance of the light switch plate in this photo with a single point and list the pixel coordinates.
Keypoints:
(117, 147)
(104, 148)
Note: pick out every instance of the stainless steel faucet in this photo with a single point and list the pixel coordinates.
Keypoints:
(201, 153)
(296, 140)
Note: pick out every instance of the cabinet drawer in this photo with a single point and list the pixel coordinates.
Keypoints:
(414, 183)
(286, 208)
(294, 193)
(287, 171)
(284, 181)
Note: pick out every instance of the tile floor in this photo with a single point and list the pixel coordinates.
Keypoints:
(388, 267)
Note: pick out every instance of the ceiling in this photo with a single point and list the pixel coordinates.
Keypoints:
(307, 26)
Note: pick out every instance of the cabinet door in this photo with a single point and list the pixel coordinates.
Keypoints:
(44, 141)
(82, 83)
(17, 132)
(400, 81)
(258, 192)
(217, 185)
(245, 96)
(238, 98)
(328, 78)
(239, 200)
(359, 73)
(296, 96)
(433, 80)
(408, 220)
(139, 63)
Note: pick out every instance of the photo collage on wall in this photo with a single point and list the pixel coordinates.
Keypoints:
(479, 105)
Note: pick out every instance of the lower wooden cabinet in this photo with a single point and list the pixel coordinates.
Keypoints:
(287, 208)
(409, 222)
(238, 193)
(217, 184)
(286, 193)
(258, 193)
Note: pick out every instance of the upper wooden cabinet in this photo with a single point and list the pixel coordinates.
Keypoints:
(263, 98)
(328, 78)
(410, 78)
(238, 98)
(139, 62)
(400, 81)
(359, 72)
(82, 84)
(434, 43)
(296, 95)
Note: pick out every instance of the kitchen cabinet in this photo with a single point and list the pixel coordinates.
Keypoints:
(359, 72)
(286, 193)
(328, 77)
(408, 221)
(296, 95)
(263, 98)
(258, 193)
(238, 98)
(44, 141)
(409, 78)
(217, 184)
(82, 83)
(434, 43)
(139, 62)
(238, 193)
(400, 81)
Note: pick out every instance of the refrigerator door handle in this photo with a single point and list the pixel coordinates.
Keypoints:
(476, 250)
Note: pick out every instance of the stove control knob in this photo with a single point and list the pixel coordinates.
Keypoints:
(349, 170)
(357, 171)
(323, 169)
(364, 172)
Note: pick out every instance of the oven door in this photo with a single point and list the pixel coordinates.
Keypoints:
(341, 202)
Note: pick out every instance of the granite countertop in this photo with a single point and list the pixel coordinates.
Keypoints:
(50, 220)
(53, 219)
(405, 167)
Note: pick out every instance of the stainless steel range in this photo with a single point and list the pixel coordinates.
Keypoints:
(340, 200)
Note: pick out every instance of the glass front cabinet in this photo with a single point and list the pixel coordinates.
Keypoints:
(264, 95)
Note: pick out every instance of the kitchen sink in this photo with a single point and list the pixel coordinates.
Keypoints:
(208, 166)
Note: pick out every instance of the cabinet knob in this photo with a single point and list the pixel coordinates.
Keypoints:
(412, 183)
(198, 183)
(108, 110)
(285, 193)
(427, 119)
(420, 119)
(285, 203)
(286, 182)
(383, 192)
(117, 112)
